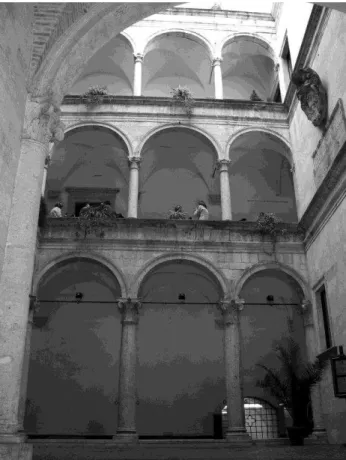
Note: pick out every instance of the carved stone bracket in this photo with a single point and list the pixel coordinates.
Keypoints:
(42, 121)
(230, 310)
(311, 94)
(129, 309)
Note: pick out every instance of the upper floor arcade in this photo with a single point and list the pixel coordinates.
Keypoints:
(216, 54)
(145, 169)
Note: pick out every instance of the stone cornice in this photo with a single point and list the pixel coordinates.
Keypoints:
(217, 13)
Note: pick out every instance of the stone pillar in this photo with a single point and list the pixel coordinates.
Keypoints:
(133, 186)
(236, 431)
(226, 207)
(33, 308)
(126, 430)
(218, 85)
(45, 172)
(319, 434)
(41, 126)
(137, 75)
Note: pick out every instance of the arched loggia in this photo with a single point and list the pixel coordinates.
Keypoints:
(74, 357)
(180, 373)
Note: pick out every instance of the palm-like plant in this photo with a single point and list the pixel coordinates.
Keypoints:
(291, 384)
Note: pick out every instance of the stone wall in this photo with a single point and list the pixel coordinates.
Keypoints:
(15, 53)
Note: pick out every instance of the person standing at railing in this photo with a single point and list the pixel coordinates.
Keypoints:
(56, 211)
(201, 212)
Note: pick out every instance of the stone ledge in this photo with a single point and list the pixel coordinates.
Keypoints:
(148, 232)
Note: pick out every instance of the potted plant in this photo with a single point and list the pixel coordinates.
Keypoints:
(177, 213)
(291, 385)
(182, 95)
(94, 219)
(95, 95)
(269, 224)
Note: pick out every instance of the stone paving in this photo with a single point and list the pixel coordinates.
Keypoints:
(88, 451)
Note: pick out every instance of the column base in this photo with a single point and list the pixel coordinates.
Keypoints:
(14, 447)
(318, 436)
(238, 436)
(128, 437)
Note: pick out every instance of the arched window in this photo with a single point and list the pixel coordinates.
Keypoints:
(261, 419)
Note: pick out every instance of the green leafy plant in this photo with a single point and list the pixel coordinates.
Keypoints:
(95, 95)
(268, 224)
(94, 219)
(292, 382)
(182, 95)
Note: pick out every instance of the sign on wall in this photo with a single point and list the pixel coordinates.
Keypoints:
(339, 374)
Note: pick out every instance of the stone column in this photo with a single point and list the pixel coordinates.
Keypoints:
(33, 308)
(218, 85)
(133, 186)
(45, 172)
(126, 430)
(226, 207)
(236, 431)
(137, 75)
(319, 434)
(41, 126)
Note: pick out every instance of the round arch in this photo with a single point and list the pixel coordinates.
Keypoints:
(187, 127)
(179, 257)
(107, 126)
(250, 38)
(275, 134)
(67, 57)
(75, 256)
(261, 266)
(127, 37)
(182, 33)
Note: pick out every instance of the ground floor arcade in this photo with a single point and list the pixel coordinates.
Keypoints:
(178, 360)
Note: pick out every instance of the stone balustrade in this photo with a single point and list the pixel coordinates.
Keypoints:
(146, 232)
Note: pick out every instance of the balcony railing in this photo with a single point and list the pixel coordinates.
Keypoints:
(170, 232)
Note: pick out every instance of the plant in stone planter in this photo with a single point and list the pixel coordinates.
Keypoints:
(182, 95)
(291, 384)
(269, 224)
(93, 219)
(177, 213)
(95, 95)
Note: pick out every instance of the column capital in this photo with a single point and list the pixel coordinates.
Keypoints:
(129, 309)
(230, 309)
(42, 121)
(139, 57)
(223, 164)
(216, 61)
(135, 161)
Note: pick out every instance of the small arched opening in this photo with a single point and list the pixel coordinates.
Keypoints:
(177, 58)
(89, 166)
(178, 168)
